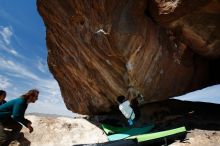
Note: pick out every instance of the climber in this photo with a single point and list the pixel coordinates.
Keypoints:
(132, 96)
(12, 114)
(125, 108)
(2, 97)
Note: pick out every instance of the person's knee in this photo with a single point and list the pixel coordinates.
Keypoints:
(18, 128)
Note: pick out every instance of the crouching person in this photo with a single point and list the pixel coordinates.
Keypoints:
(2, 97)
(126, 109)
(12, 114)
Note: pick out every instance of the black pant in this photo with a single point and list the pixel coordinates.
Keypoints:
(134, 106)
(12, 125)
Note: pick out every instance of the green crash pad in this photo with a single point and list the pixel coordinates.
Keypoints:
(158, 135)
(113, 129)
(130, 132)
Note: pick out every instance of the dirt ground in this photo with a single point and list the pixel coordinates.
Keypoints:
(199, 137)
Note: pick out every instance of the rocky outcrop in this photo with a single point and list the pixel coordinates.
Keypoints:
(98, 49)
(196, 23)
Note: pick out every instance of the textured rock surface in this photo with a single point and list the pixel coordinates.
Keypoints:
(196, 22)
(98, 48)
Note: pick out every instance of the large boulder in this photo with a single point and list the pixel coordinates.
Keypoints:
(98, 49)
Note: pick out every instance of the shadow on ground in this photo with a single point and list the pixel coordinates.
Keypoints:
(169, 114)
(174, 113)
(19, 141)
(166, 115)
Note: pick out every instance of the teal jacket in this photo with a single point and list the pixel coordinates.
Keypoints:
(15, 109)
(2, 102)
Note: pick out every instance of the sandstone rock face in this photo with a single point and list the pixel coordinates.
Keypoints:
(196, 22)
(97, 49)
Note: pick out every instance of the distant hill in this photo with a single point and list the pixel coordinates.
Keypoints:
(49, 115)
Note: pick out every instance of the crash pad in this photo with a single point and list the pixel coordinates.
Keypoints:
(130, 132)
(109, 129)
(158, 135)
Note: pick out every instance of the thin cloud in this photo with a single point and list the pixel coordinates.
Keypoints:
(50, 90)
(12, 92)
(4, 82)
(9, 17)
(42, 66)
(16, 68)
(8, 49)
(6, 33)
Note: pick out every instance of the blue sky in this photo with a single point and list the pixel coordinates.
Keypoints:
(209, 94)
(23, 57)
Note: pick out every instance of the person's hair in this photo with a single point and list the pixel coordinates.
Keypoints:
(2, 92)
(121, 99)
(30, 93)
